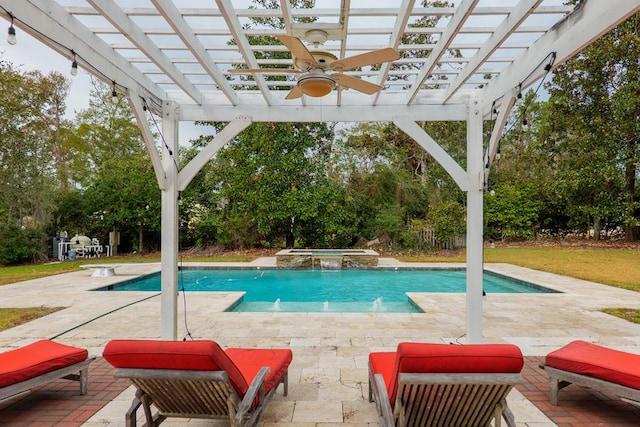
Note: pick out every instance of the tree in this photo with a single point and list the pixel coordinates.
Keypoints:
(107, 130)
(270, 184)
(30, 131)
(525, 171)
(126, 197)
(120, 185)
(594, 111)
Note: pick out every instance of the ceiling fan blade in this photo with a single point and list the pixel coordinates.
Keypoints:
(263, 70)
(356, 83)
(369, 58)
(297, 48)
(296, 92)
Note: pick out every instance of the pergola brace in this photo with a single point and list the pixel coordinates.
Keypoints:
(496, 133)
(411, 128)
(137, 108)
(230, 131)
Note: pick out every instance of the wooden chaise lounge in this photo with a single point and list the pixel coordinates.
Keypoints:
(198, 379)
(596, 367)
(39, 363)
(444, 385)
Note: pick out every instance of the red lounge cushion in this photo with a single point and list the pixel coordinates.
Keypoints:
(449, 358)
(185, 355)
(593, 360)
(36, 359)
(383, 363)
(250, 360)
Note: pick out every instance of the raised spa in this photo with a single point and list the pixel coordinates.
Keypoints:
(327, 259)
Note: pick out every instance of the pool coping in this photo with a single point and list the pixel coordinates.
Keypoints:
(264, 267)
(330, 350)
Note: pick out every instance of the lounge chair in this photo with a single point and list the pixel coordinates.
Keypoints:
(593, 366)
(197, 379)
(444, 384)
(39, 363)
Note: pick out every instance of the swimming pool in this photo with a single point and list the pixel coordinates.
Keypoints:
(327, 290)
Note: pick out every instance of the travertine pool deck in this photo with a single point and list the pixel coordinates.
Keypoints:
(328, 375)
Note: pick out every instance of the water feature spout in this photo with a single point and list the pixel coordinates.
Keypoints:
(376, 305)
(325, 306)
(276, 305)
(331, 263)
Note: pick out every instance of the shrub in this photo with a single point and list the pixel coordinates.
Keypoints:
(21, 245)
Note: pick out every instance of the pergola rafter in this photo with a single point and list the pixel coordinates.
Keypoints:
(177, 61)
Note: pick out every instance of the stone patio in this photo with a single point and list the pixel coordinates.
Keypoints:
(328, 375)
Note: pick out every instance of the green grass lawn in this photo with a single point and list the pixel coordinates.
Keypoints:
(28, 272)
(613, 267)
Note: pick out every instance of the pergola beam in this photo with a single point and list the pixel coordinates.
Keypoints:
(322, 113)
(65, 32)
(588, 22)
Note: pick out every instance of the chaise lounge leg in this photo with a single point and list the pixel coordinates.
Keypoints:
(131, 415)
(84, 380)
(285, 381)
(509, 418)
(554, 390)
(556, 385)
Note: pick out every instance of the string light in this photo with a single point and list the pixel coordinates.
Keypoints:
(74, 65)
(114, 94)
(11, 37)
(549, 60)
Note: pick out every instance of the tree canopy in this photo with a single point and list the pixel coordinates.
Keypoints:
(573, 169)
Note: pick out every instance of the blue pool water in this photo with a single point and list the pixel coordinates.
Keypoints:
(327, 290)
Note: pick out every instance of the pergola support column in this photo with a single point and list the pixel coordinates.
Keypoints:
(169, 245)
(475, 215)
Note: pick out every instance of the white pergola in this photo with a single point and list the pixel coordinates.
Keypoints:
(174, 57)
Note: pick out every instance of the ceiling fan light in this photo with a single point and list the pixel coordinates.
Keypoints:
(316, 86)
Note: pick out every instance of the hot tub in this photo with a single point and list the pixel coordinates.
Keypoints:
(327, 259)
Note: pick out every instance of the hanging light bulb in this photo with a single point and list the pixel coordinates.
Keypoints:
(114, 94)
(74, 65)
(519, 96)
(11, 37)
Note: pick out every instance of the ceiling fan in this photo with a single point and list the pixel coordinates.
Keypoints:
(320, 70)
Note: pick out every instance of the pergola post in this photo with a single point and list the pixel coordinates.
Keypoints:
(475, 214)
(169, 245)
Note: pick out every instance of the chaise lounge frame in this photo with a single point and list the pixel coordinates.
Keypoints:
(76, 372)
(560, 379)
(196, 394)
(482, 398)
